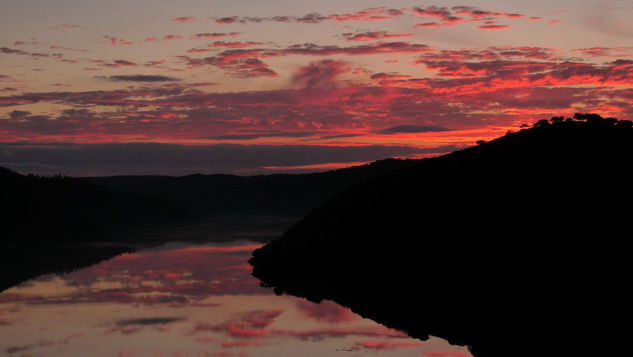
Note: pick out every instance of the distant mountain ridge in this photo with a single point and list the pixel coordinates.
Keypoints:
(41, 208)
(515, 247)
(223, 194)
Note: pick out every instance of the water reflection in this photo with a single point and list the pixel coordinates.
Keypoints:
(186, 301)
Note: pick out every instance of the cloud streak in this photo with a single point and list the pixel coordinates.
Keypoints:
(153, 158)
(141, 78)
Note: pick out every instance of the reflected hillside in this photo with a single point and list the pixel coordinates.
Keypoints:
(515, 247)
(54, 224)
(59, 223)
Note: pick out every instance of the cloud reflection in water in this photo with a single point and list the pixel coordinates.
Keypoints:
(186, 300)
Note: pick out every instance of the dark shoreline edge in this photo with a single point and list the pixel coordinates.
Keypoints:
(516, 247)
(23, 261)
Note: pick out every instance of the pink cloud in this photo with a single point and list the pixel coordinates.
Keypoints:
(198, 50)
(226, 20)
(7, 50)
(242, 344)
(519, 79)
(319, 75)
(385, 345)
(62, 48)
(372, 14)
(116, 63)
(615, 52)
(441, 13)
(326, 311)
(476, 13)
(430, 24)
(236, 63)
(213, 35)
(185, 19)
(64, 27)
(124, 330)
(458, 14)
(172, 37)
(555, 22)
(493, 27)
(223, 44)
(367, 15)
(117, 41)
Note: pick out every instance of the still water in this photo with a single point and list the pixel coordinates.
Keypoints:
(184, 300)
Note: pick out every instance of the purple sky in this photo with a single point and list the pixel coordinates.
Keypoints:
(401, 78)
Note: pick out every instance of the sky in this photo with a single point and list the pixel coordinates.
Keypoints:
(247, 87)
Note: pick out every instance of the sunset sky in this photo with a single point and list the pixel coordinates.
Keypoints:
(177, 87)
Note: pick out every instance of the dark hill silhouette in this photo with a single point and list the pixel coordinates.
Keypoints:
(40, 208)
(278, 194)
(515, 247)
(56, 224)
(51, 224)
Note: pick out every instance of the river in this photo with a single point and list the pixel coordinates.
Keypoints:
(186, 300)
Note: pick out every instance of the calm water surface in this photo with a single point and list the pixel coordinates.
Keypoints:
(182, 300)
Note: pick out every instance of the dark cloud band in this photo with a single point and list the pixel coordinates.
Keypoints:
(142, 78)
(172, 159)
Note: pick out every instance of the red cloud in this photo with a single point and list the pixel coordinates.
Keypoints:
(185, 19)
(237, 63)
(430, 24)
(245, 63)
(319, 75)
(198, 50)
(604, 51)
(172, 37)
(442, 13)
(478, 14)
(523, 82)
(385, 345)
(213, 35)
(117, 41)
(457, 14)
(381, 47)
(493, 27)
(372, 14)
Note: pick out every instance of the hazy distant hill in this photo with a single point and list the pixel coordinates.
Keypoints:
(516, 247)
(290, 194)
(63, 208)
